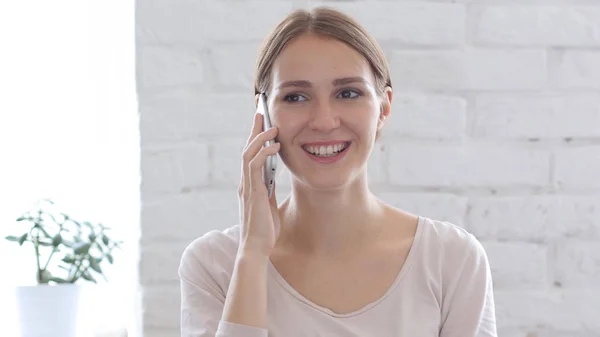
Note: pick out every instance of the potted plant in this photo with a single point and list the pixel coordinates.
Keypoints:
(68, 252)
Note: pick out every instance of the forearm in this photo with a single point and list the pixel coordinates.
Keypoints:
(246, 300)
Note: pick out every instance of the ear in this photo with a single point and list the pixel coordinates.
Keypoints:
(256, 101)
(386, 108)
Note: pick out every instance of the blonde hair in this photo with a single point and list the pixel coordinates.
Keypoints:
(327, 22)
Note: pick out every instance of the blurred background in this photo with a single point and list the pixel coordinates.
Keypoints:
(135, 115)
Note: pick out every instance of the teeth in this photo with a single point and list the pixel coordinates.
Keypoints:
(325, 151)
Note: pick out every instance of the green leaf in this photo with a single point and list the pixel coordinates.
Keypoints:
(57, 240)
(68, 259)
(88, 277)
(94, 265)
(22, 239)
(109, 258)
(82, 248)
(21, 218)
(45, 244)
(12, 238)
(58, 280)
(92, 237)
(105, 239)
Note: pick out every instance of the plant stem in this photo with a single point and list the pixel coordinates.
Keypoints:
(49, 258)
(70, 270)
(37, 256)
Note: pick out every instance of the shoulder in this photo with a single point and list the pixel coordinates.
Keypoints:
(448, 237)
(211, 255)
(451, 248)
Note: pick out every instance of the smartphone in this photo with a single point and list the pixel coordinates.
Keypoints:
(270, 168)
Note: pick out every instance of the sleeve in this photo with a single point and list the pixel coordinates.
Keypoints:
(202, 299)
(469, 304)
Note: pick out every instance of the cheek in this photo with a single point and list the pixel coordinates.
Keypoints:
(288, 126)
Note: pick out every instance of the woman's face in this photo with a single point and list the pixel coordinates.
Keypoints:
(324, 102)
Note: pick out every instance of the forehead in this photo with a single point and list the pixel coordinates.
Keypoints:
(316, 58)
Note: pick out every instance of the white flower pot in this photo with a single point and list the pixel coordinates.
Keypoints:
(49, 310)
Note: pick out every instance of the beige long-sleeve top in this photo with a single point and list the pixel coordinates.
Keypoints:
(444, 289)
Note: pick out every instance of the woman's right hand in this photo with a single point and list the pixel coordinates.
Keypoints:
(258, 214)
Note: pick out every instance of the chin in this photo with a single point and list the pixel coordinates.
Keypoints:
(322, 183)
(330, 181)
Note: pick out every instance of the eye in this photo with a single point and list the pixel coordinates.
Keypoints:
(349, 93)
(293, 98)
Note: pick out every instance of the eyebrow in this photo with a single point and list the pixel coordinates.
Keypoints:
(336, 82)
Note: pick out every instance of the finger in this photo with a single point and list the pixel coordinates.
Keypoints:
(257, 126)
(256, 165)
(255, 146)
(273, 199)
(275, 210)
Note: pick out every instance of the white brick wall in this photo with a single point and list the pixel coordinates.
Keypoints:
(495, 127)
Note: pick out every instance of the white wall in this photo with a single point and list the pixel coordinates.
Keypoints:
(495, 127)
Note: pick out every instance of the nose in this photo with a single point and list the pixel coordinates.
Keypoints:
(324, 117)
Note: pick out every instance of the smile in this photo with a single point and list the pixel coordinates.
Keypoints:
(326, 150)
(326, 154)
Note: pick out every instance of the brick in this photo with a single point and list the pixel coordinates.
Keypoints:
(473, 69)
(227, 161)
(575, 69)
(168, 66)
(531, 271)
(162, 307)
(529, 25)
(578, 263)
(234, 65)
(427, 69)
(185, 114)
(172, 169)
(473, 166)
(187, 216)
(578, 167)
(418, 115)
(200, 22)
(534, 218)
(545, 116)
(414, 23)
(567, 310)
(438, 206)
(159, 262)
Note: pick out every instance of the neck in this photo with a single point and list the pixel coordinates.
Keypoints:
(331, 222)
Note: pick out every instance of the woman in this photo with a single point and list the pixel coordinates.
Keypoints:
(331, 259)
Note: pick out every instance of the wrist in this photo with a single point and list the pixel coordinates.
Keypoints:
(252, 256)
